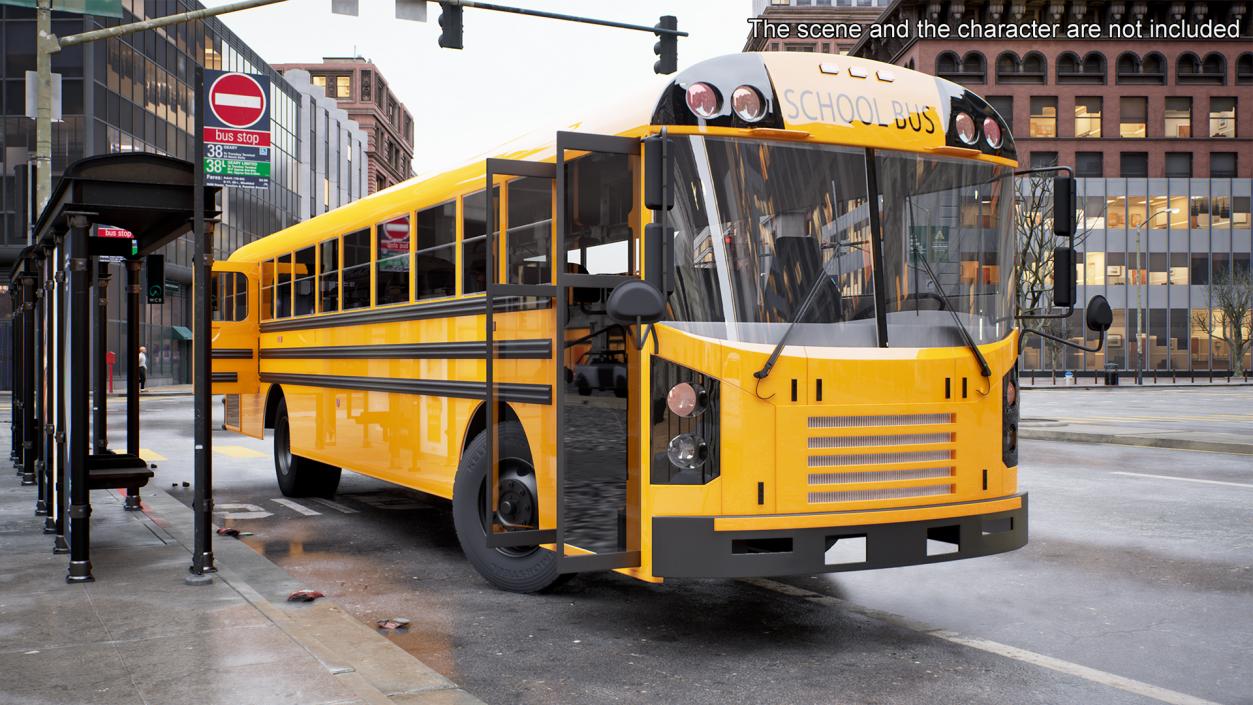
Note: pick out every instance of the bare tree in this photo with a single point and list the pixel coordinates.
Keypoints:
(1231, 316)
(1033, 223)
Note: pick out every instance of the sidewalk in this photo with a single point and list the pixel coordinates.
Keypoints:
(139, 635)
(171, 390)
(1217, 418)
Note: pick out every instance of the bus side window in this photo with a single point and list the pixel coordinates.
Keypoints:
(305, 276)
(437, 251)
(474, 239)
(328, 301)
(357, 270)
(267, 290)
(282, 287)
(230, 296)
(391, 263)
(601, 194)
(529, 239)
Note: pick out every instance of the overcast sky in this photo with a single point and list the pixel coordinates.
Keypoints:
(516, 73)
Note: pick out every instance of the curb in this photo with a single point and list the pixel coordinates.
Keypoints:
(1173, 385)
(1138, 441)
(365, 661)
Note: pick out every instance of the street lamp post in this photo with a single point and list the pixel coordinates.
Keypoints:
(1140, 342)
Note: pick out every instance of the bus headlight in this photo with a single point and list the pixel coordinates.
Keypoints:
(686, 399)
(992, 132)
(703, 100)
(1010, 407)
(687, 451)
(685, 418)
(748, 104)
(966, 129)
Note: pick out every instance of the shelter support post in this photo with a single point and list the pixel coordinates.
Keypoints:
(100, 343)
(132, 356)
(77, 428)
(202, 370)
(28, 379)
(40, 376)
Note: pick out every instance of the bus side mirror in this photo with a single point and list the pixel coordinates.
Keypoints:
(1065, 286)
(1099, 317)
(1064, 207)
(658, 185)
(636, 302)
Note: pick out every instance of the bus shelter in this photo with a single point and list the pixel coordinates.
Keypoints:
(59, 287)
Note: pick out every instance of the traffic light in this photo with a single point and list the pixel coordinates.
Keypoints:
(450, 26)
(156, 279)
(667, 46)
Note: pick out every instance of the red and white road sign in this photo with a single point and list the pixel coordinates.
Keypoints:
(112, 232)
(237, 100)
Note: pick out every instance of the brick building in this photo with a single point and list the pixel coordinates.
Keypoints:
(1161, 134)
(362, 92)
(835, 12)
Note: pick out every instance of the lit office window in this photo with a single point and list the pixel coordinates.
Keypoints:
(1133, 117)
(1088, 117)
(1222, 117)
(1178, 121)
(1043, 116)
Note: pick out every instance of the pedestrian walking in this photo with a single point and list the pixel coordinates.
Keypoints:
(143, 368)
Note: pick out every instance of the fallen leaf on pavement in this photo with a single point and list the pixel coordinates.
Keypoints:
(304, 596)
(393, 623)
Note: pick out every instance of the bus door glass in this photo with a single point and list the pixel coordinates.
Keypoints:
(598, 216)
(234, 331)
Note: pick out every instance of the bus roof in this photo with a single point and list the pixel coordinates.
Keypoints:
(820, 98)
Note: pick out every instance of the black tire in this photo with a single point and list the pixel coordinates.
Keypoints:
(584, 387)
(299, 476)
(516, 570)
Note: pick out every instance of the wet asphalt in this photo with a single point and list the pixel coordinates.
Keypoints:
(1132, 590)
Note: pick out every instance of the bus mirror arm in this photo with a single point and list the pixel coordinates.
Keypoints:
(1100, 342)
(1098, 317)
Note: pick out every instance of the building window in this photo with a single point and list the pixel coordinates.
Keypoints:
(391, 262)
(437, 251)
(1088, 117)
(1133, 117)
(1178, 122)
(1090, 164)
(1151, 70)
(1004, 106)
(1072, 69)
(1043, 116)
(1211, 70)
(342, 88)
(1179, 165)
(1043, 160)
(1222, 165)
(1222, 117)
(1031, 68)
(1244, 68)
(1134, 164)
(973, 68)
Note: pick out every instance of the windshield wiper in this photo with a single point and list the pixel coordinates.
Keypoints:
(800, 313)
(948, 304)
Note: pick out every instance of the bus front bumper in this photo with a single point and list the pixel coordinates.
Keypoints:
(699, 547)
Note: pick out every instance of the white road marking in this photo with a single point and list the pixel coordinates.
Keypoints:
(295, 506)
(1182, 479)
(240, 511)
(333, 505)
(1129, 685)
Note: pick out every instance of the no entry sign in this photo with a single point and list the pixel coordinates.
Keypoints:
(236, 129)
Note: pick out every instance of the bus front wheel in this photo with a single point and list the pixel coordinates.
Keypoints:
(521, 569)
(299, 476)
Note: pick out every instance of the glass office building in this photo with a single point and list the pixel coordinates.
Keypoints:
(135, 93)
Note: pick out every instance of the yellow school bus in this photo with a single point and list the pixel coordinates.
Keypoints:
(756, 321)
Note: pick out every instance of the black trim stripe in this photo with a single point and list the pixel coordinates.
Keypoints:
(224, 378)
(531, 349)
(522, 393)
(476, 306)
(232, 354)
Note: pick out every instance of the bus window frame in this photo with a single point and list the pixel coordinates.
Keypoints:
(461, 220)
(504, 225)
(455, 244)
(413, 234)
(262, 290)
(368, 264)
(339, 254)
(313, 275)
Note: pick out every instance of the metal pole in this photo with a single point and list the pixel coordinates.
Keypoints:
(132, 356)
(59, 477)
(100, 343)
(78, 429)
(28, 376)
(45, 42)
(1139, 317)
(567, 18)
(41, 503)
(48, 364)
(202, 504)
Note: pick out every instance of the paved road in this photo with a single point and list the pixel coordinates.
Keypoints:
(1134, 589)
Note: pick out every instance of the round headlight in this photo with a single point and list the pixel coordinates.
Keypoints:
(992, 132)
(687, 451)
(685, 399)
(748, 104)
(703, 100)
(966, 130)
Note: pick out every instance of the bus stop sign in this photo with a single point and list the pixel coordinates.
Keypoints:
(236, 133)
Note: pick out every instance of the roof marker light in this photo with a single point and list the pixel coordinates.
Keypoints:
(748, 104)
(857, 72)
(966, 130)
(992, 132)
(885, 75)
(831, 69)
(703, 100)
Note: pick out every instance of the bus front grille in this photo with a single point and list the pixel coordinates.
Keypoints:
(880, 457)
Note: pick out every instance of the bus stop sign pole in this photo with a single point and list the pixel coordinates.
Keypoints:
(202, 504)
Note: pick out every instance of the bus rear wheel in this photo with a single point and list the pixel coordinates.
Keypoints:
(299, 476)
(516, 569)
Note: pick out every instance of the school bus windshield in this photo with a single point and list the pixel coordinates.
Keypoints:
(754, 240)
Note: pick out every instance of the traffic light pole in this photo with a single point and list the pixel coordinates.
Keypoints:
(566, 18)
